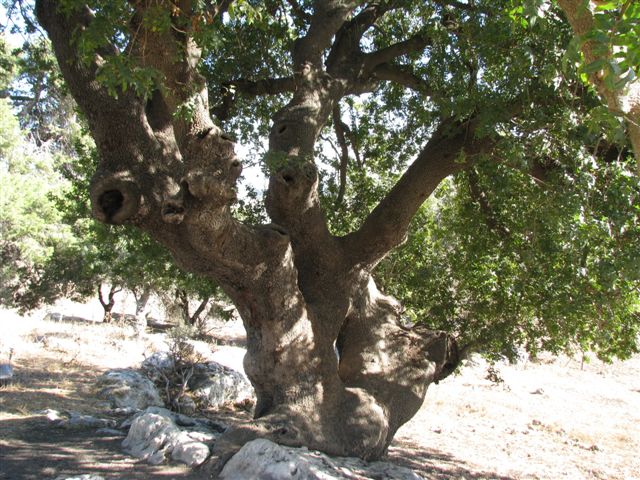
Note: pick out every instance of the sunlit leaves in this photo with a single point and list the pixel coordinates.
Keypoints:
(121, 73)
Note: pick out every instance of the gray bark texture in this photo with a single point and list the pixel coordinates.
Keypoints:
(302, 292)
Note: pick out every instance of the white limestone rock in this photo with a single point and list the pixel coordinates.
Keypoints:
(128, 389)
(267, 460)
(214, 385)
(154, 437)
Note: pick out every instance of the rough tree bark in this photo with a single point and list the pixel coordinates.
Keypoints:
(302, 293)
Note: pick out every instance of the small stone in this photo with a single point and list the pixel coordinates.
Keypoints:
(111, 432)
(78, 420)
(52, 415)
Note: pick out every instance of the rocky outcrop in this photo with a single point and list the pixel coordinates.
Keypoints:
(214, 385)
(155, 436)
(128, 389)
(158, 365)
(265, 459)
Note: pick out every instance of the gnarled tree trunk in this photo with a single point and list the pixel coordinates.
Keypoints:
(303, 294)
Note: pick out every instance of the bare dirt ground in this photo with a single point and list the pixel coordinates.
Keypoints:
(552, 419)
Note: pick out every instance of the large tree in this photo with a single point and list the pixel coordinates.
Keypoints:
(433, 88)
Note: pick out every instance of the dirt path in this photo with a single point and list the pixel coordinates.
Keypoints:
(548, 420)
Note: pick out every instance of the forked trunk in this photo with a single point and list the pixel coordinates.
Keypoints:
(331, 362)
(142, 299)
(108, 303)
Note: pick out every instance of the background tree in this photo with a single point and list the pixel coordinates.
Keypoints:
(484, 90)
(30, 224)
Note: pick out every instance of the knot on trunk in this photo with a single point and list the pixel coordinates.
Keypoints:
(116, 198)
(210, 187)
(173, 209)
(292, 187)
(213, 168)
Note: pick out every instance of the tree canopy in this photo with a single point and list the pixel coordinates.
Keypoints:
(542, 229)
(473, 158)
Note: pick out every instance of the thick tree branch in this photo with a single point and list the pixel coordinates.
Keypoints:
(175, 55)
(126, 142)
(302, 16)
(346, 45)
(415, 44)
(451, 148)
(402, 75)
(267, 86)
(327, 18)
(338, 126)
(80, 73)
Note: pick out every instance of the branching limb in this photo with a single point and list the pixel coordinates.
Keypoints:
(451, 148)
(175, 55)
(104, 113)
(327, 18)
(292, 199)
(415, 44)
(347, 42)
(402, 75)
(253, 88)
(624, 101)
(299, 13)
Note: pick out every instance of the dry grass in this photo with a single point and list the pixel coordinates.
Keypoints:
(548, 420)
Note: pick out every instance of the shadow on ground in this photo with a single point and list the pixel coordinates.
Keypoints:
(434, 465)
(34, 449)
